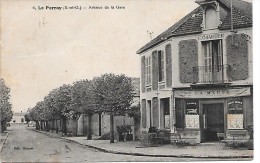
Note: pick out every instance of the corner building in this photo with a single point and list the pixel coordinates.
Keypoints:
(197, 76)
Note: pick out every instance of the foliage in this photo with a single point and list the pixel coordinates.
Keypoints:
(82, 97)
(123, 130)
(135, 112)
(113, 93)
(5, 105)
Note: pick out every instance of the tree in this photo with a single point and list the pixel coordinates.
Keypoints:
(63, 103)
(52, 112)
(37, 114)
(113, 95)
(83, 101)
(5, 105)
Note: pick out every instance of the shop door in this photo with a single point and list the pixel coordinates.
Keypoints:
(213, 115)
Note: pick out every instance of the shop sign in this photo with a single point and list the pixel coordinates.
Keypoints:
(212, 36)
(212, 93)
(235, 107)
(191, 107)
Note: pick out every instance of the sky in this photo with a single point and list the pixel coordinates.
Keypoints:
(43, 49)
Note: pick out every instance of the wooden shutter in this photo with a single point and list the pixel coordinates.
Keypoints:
(179, 109)
(143, 113)
(237, 57)
(143, 73)
(168, 60)
(188, 58)
(155, 70)
(155, 108)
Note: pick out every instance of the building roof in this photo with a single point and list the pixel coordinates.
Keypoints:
(19, 114)
(191, 23)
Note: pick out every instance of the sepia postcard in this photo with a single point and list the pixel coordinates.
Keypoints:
(126, 80)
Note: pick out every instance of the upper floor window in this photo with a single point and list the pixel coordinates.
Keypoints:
(161, 65)
(148, 75)
(212, 54)
(212, 70)
(211, 18)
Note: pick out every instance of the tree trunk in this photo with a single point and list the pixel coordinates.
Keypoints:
(99, 124)
(52, 125)
(47, 126)
(37, 125)
(57, 129)
(41, 125)
(3, 126)
(64, 125)
(83, 127)
(112, 128)
(89, 137)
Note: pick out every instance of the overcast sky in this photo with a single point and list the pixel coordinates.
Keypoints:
(43, 49)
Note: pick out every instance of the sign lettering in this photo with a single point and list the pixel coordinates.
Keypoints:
(213, 36)
(212, 93)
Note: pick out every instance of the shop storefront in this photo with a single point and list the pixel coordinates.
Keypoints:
(205, 114)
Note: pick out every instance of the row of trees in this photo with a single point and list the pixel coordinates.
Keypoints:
(5, 105)
(109, 93)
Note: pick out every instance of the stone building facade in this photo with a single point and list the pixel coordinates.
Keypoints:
(197, 76)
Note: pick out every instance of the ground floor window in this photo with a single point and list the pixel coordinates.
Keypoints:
(235, 113)
(192, 114)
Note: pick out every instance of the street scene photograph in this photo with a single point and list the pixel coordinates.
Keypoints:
(126, 81)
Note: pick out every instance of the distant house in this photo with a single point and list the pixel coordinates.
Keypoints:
(18, 118)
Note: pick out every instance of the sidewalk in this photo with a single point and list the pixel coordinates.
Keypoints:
(134, 148)
(3, 137)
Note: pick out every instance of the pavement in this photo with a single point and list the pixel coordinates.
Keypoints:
(214, 151)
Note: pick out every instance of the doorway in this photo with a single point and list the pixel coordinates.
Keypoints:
(213, 115)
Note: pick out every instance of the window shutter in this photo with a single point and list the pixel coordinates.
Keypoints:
(179, 108)
(237, 57)
(168, 60)
(143, 113)
(155, 70)
(155, 106)
(188, 58)
(143, 73)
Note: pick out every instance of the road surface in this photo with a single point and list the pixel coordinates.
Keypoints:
(24, 145)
